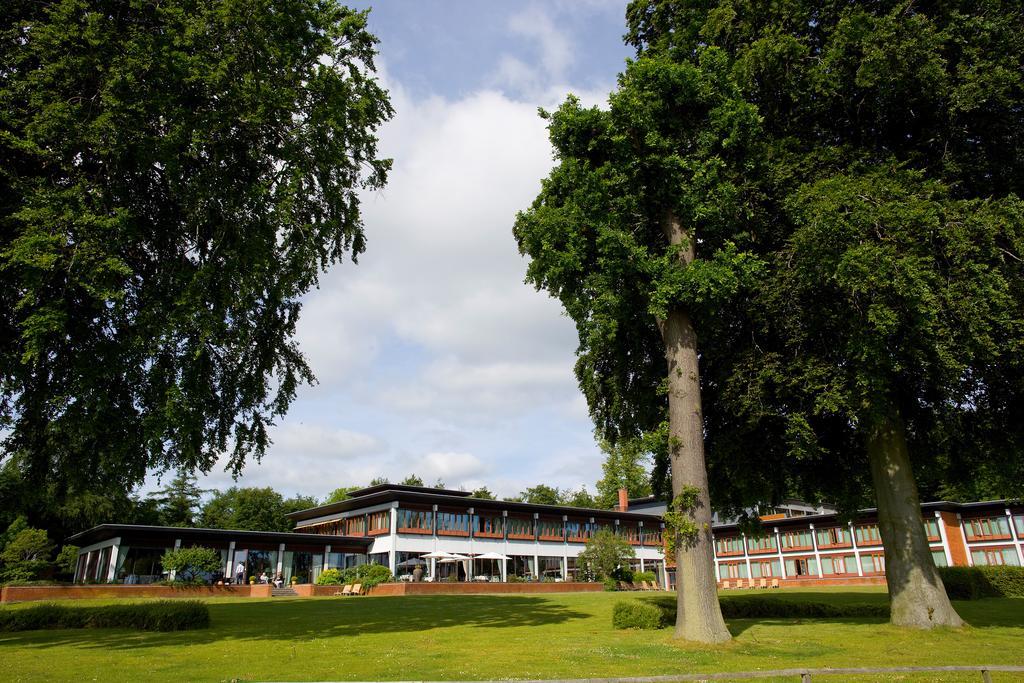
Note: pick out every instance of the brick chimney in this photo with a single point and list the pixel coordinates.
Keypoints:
(623, 500)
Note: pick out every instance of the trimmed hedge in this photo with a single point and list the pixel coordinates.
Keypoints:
(659, 613)
(972, 583)
(162, 615)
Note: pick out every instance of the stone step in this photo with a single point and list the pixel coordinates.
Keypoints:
(283, 593)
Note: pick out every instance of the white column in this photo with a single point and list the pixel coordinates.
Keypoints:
(1016, 537)
(778, 550)
(280, 561)
(817, 555)
(856, 552)
(565, 547)
(327, 554)
(228, 573)
(177, 544)
(115, 550)
(78, 563)
(963, 535)
(504, 570)
(945, 539)
(714, 554)
(394, 538)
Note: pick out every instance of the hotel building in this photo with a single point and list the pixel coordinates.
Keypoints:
(396, 526)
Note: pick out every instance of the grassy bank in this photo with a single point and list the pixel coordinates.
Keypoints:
(479, 637)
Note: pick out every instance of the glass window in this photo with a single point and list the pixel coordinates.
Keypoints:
(577, 530)
(995, 557)
(653, 537)
(873, 563)
(491, 526)
(303, 566)
(550, 568)
(520, 527)
(931, 527)
(377, 558)
(453, 523)
(521, 566)
(939, 556)
(833, 536)
(796, 539)
(379, 522)
(140, 565)
(355, 526)
(732, 570)
(764, 569)
(731, 545)
(762, 544)
(838, 564)
(630, 532)
(406, 563)
(1018, 521)
(549, 528)
(257, 562)
(867, 534)
(415, 521)
(987, 527)
(801, 566)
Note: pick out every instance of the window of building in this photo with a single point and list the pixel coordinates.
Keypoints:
(406, 563)
(140, 565)
(792, 540)
(1018, 521)
(987, 527)
(873, 563)
(731, 545)
(550, 567)
(304, 566)
(801, 567)
(653, 537)
(832, 565)
(521, 566)
(732, 570)
(995, 557)
(489, 526)
(549, 529)
(520, 527)
(833, 536)
(415, 521)
(355, 526)
(630, 532)
(377, 558)
(453, 523)
(939, 556)
(762, 544)
(257, 562)
(345, 560)
(577, 530)
(868, 534)
(764, 569)
(931, 528)
(379, 523)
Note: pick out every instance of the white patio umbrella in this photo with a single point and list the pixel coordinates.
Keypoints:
(491, 556)
(436, 555)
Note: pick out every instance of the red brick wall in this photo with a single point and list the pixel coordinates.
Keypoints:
(806, 583)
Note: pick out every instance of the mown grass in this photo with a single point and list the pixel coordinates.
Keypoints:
(499, 637)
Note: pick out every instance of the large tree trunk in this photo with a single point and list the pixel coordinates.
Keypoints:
(698, 616)
(917, 597)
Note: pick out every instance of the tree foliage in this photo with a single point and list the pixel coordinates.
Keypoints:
(541, 494)
(25, 555)
(605, 554)
(176, 176)
(341, 493)
(251, 508)
(178, 502)
(625, 466)
(412, 480)
(189, 563)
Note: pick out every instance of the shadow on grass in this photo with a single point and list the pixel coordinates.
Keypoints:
(306, 619)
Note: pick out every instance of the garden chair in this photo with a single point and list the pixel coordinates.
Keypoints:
(739, 583)
(357, 589)
(763, 584)
(775, 583)
(347, 590)
(726, 585)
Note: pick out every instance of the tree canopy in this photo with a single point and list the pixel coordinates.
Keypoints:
(252, 508)
(175, 178)
(179, 501)
(626, 466)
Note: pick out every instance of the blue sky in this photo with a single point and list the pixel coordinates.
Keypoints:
(433, 357)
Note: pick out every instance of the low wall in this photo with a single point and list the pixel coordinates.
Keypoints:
(83, 592)
(444, 588)
(831, 582)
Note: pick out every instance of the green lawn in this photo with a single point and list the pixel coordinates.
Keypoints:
(476, 637)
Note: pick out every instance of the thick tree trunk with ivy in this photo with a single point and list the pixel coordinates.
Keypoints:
(699, 616)
(916, 594)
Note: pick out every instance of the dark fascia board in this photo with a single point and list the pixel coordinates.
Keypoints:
(431, 497)
(107, 531)
(938, 505)
(370, 490)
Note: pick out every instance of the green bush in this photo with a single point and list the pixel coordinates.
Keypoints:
(625, 615)
(638, 614)
(610, 584)
(189, 563)
(329, 577)
(645, 576)
(369, 575)
(973, 583)
(162, 615)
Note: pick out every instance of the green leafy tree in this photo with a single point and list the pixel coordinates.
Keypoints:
(341, 493)
(484, 493)
(25, 555)
(542, 494)
(580, 498)
(175, 178)
(179, 501)
(605, 555)
(188, 563)
(412, 480)
(439, 484)
(378, 481)
(296, 503)
(248, 508)
(640, 232)
(67, 560)
(624, 467)
(884, 198)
